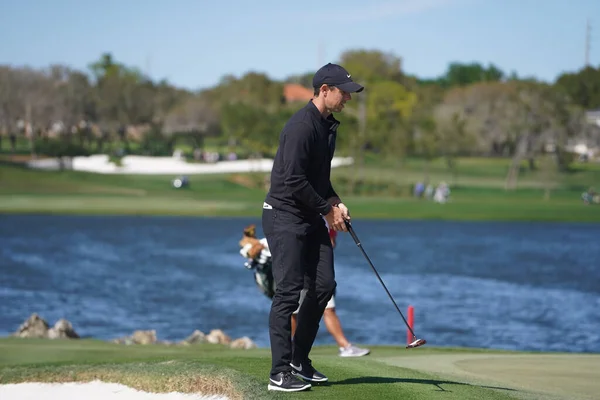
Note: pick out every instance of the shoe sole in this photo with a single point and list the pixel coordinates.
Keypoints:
(310, 379)
(364, 353)
(280, 389)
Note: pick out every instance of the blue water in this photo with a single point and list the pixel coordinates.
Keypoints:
(521, 286)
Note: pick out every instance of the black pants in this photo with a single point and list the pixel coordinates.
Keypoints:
(302, 257)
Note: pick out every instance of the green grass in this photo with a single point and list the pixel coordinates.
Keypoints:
(389, 372)
(476, 172)
(477, 193)
(241, 373)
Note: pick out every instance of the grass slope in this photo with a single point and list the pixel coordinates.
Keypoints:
(213, 369)
(477, 195)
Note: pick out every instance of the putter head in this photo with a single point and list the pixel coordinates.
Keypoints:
(416, 343)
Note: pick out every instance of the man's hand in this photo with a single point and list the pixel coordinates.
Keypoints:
(335, 219)
(255, 250)
(345, 211)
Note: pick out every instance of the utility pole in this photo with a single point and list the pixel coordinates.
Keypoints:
(588, 35)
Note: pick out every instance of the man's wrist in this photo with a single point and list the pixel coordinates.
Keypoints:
(334, 201)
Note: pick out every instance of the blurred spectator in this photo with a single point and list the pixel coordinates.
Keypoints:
(211, 157)
(442, 193)
(178, 154)
(419, 189)
(429, 191)
(590, 196)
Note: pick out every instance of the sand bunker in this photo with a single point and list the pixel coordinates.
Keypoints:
(95, 390)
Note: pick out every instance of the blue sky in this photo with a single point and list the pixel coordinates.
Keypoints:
(193, 44)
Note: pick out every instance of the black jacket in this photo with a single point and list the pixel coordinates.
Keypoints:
(300, 178)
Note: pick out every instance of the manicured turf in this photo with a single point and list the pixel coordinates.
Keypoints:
(389, 372)
(27, 191)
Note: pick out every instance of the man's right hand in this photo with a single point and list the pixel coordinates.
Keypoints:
(335, 219)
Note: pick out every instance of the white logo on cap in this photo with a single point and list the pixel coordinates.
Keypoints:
(348, 75)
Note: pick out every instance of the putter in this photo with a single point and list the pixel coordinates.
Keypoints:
(416, 342)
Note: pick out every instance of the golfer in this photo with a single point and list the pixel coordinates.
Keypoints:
(300, 194)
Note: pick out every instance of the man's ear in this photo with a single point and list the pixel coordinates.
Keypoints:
(324, 89)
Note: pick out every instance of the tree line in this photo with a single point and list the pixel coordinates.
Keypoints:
(472, 109)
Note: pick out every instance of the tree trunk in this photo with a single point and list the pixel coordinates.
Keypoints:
(426, 171)
(513, 172)
(29, 130)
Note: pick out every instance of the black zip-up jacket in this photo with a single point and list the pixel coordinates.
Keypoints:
(300, 178)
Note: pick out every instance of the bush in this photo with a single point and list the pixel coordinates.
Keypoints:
(155, 143)
(60, 147)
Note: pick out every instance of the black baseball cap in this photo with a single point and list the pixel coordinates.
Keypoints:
(336, 75)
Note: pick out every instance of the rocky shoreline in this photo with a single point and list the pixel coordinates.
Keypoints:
(36, 327)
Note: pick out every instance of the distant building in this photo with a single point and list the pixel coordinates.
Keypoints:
(293, 92)
(593, 117)
(587, 145)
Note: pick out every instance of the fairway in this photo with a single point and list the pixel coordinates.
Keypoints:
(535, 376)
(477, 195)
(390, 372)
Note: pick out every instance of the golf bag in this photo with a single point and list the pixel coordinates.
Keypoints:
(263, 276)
(261, 264)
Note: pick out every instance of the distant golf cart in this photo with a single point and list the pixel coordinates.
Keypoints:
(181, 182)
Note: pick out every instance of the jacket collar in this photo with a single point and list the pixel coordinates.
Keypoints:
(330, 122)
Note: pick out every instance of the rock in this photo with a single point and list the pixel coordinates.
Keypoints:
(196, 337)
(62, 330)
(243, 343)
(217, 336)
(33, 327)
(124, 340)
(144, 337)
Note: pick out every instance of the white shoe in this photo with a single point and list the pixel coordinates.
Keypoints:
(353, 351)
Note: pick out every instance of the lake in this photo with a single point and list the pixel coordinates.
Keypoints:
(503, 285)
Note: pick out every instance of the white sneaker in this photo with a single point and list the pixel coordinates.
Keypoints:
(353, 351)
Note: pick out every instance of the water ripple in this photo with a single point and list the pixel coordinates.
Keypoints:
(522, 286)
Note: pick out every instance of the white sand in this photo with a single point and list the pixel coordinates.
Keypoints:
(100, 163)
(96, 390)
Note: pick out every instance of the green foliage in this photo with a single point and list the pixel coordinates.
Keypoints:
(470, 109)
(156, 143)
(369, 66)
(566, 160)
(116, 159)
(60, 147)
(427, 139)
(466, 74)
(460, 75)
(251, 89)
(301, 79)
(582, 87)
(254, 127)
(389, 106)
